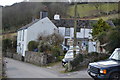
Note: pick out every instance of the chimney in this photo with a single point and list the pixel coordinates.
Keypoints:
(56, 17)
(43, 14)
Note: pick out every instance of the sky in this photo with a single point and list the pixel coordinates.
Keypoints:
(9, 2)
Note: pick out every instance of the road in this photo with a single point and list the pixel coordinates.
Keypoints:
(18, 69)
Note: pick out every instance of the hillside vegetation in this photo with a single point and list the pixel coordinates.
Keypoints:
(20, 14)
(90, 9)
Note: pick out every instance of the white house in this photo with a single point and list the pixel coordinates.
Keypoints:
(32, 31)
(83, 37)
(84, 30)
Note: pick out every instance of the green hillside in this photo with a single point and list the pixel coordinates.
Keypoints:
(90, 9)
(20, 14)
(113, 16)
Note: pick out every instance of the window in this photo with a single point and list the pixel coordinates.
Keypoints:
(22, 48)
(20, 35)
(78, 43)
(23, 36)
(67, 31)
(115, 55)
(78, 29)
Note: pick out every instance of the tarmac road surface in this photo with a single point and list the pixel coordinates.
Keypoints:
(18, 69)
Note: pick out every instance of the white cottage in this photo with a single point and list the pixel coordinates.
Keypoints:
(32, 31)
(84, 30)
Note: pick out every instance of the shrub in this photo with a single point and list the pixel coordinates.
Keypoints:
(53, 39)
(94, 53)
(60, 58)
(55, 51)
(14, 45)
(44, 47)
(94, 56)
(32, 45)
(6, 44)
(51, 45)
(74, 63)
(77, 60)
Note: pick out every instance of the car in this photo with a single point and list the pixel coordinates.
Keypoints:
(65, 48)
(68, 57)
(108, 69)
(72, 48)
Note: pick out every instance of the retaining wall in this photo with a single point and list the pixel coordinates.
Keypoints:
(36, 58)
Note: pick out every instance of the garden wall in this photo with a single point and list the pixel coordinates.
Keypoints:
(89, 58)
(36, 58)
(9, 54)
(17, 57)
(14, 56)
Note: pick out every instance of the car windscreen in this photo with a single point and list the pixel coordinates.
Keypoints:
(76, 47)
(69, 54)
(115, 55)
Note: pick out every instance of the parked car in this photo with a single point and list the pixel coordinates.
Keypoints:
(108, 69)
(65, 48)
(69, 56)
(72, 48)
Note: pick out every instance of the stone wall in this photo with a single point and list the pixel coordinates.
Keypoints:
(36, 58)
(17, 57)
(9, 54)
(14, 56)
(94, 58)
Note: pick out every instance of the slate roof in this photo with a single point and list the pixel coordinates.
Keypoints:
(28, 25)
(69, 23)
(80, 23)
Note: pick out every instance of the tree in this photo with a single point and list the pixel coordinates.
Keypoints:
(6, 44)
(14, 44)
(116, 22)
(51, 44)
(20, 14)
(102, 37)
(113, 39)
(99, 27)
(53, 39)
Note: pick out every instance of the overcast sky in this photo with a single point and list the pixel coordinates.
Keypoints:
(9, 2)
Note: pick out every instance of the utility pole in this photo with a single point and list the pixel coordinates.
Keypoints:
(75, 26)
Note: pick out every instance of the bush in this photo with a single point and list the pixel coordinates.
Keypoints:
(77, 60)
(53, 39)
(74, 63)
(14, 45)
(51, 45)
(113, 39)
(60, 58)
(94, 56)
(44, 47)
(32, 45)
(55, 51)
(6, 44)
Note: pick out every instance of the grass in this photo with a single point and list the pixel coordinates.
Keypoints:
(113, 16)
(89, 9)
(8, 35)
(76, 69)
(52, 64)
